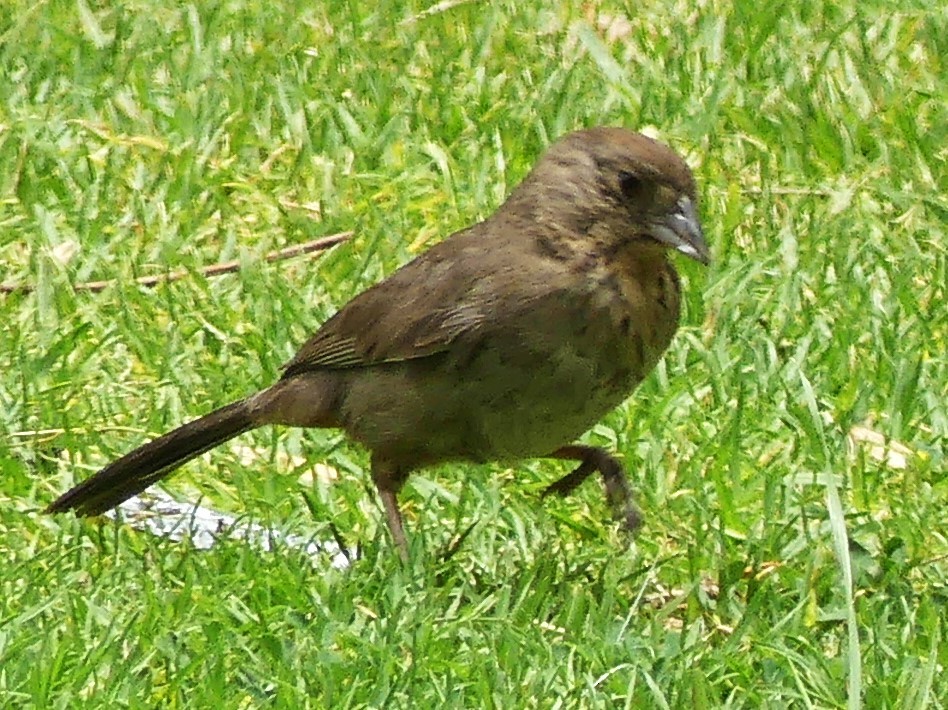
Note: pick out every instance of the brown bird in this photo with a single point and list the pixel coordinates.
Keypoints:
(505, 341)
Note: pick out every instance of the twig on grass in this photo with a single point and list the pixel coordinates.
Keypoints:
(226, 267)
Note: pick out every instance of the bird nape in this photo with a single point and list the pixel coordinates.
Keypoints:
(505, 341)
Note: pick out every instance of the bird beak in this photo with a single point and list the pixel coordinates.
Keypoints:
(681, 230)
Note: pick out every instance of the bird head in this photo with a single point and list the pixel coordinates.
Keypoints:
(625, 185)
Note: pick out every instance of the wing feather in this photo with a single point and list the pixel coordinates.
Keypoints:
(417, 312)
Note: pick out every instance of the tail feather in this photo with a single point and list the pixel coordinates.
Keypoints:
(148, 464)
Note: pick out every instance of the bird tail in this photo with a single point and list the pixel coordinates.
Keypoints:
(148, 464)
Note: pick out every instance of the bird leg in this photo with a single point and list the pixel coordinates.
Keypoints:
(618, 492)
(388, 480)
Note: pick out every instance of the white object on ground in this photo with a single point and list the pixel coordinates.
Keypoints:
(162, 515)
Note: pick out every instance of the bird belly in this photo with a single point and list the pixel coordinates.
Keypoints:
(513, 395)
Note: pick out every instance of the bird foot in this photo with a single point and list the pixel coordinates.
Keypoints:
(618, 493)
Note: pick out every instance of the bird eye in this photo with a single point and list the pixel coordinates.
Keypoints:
(632, 186)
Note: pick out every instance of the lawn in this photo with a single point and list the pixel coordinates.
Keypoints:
(789, 453)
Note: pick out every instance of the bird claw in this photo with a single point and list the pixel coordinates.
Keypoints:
(618, 493)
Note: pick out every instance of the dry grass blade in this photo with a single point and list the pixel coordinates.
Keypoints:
(225, 267)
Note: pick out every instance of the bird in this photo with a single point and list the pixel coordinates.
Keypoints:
(505, 341)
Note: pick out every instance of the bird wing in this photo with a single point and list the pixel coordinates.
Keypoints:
(416, 312)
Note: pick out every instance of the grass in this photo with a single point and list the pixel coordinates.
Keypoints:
(786, 561)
